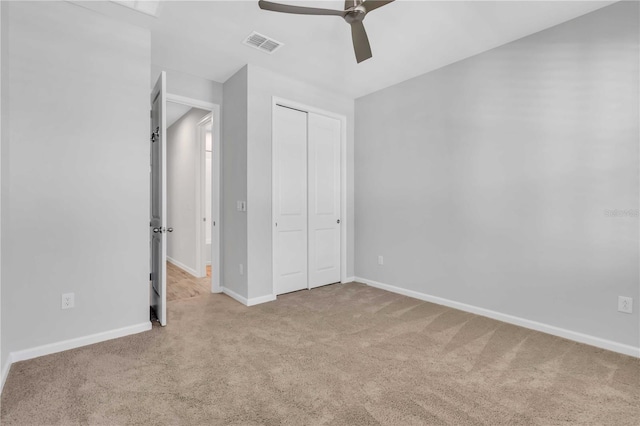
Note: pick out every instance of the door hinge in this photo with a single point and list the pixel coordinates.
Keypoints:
(150, 277)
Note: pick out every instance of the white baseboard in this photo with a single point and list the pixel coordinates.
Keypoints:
(348, 280)
(183, 267)
(64, 345)
(5, 371)
(262, 299)
(522, 322)
(248, 302)
(53, 348)
(232, 294)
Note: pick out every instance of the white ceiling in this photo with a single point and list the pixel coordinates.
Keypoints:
(408, 38)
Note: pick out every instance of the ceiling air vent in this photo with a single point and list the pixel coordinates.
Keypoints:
(263, 43)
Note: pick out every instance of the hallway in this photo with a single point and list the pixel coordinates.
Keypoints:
(182, 285)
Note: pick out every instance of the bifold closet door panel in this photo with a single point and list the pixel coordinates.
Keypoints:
(324, 200)
(290, 200)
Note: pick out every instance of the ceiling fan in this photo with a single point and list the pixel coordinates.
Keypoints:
(354, 13)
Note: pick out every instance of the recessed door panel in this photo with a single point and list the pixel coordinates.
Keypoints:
(292, 262)
(325, 242)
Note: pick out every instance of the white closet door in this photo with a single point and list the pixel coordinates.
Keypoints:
(324, 200)
(290, 199)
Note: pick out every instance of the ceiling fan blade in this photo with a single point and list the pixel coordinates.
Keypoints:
(360, 42)
(370, 5)
(285, 8)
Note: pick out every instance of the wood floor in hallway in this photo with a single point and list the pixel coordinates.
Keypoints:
(183, 285)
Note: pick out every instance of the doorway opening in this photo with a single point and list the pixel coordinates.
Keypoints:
(192, 258)
(187, 131)
(185, 189)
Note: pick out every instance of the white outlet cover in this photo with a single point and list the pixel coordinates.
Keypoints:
(625, 304)
(67, 301)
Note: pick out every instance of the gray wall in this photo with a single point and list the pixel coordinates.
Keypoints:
(190, 86)
(486, 182)
(183, 156)
(234, 183)
(263, 85)
(75, 193)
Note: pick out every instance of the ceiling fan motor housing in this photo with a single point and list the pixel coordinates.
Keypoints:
(355, 15)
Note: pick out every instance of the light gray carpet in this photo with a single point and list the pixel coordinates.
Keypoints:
(341, 355)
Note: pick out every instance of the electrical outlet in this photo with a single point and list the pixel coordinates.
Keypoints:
(380, 260)
(241, 269)
(67, 301)
(625, 304)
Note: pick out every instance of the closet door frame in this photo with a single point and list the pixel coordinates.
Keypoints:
(275, 101)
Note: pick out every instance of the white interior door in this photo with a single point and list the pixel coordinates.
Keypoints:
(324, 199)
(158, 222)
(289, 199)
